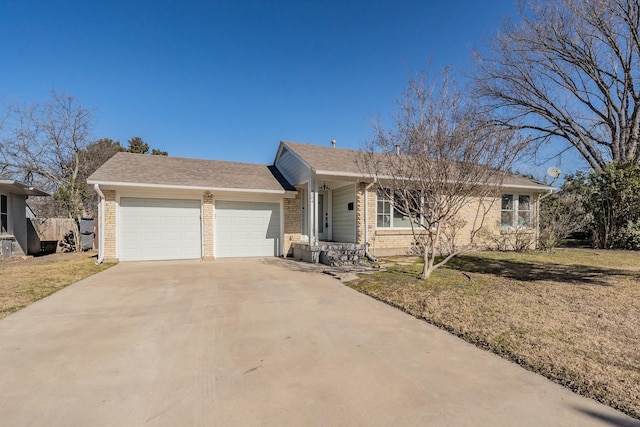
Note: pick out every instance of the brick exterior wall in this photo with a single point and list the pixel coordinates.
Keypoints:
(397, 242)
(361, 234)
(292, 211)
(109, 225)
(207, 224)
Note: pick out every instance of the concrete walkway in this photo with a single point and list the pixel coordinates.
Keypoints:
(254, 342)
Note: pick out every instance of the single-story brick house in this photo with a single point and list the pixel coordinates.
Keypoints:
(157, 207)
(13, 216)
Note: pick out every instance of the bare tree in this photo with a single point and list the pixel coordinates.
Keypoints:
(440, 166)
(569, 70)
(43, 144)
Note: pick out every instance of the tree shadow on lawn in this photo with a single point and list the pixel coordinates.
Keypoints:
(533, 272)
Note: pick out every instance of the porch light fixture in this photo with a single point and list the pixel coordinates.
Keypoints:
(324, 187)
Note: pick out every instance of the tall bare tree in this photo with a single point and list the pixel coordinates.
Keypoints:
(440, 158)
(569, 70)
(43, 144)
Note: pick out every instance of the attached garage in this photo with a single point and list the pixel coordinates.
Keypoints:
(246, 229)
(159, 229)
(166, 208)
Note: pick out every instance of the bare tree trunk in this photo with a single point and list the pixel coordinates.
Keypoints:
(427, 269)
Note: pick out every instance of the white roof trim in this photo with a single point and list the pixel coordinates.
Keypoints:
(540, 187)
(351, 174)
(28, 189)
(189, 187)
(530, 187)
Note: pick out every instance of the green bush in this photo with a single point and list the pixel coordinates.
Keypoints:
(612, 198)
(628, 237)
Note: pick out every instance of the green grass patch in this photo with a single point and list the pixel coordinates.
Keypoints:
(25, 281)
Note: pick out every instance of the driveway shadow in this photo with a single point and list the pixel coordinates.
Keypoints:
(609, 419)
(534, 272)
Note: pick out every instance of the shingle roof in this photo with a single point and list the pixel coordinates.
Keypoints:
(143, 169)
(344, 161)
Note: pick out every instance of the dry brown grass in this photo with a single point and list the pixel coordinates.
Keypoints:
(572, 316)
(24, 281)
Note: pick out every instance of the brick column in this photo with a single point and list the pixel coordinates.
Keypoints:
(207, 224)
(292, 211)
(360, 212)
(110, 235)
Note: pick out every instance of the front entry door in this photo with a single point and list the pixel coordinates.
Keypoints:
(323, 215)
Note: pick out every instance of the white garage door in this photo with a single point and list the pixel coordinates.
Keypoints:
(159, 229)
(246, 229)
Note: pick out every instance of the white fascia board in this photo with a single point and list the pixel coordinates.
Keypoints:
(28, 190)
(384, 177)
(334, 173)
(278, 153)
(530, 187)
(539, 188)
(189, 187)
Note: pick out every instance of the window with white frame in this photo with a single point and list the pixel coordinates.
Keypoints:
(389, 216)
(383, 213)
(4, 213)
(516, 211)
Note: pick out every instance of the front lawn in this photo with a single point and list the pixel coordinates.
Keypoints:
(572, 316)
(24, 281)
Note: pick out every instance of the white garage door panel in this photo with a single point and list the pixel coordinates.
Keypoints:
(159, 229)
(246, 229)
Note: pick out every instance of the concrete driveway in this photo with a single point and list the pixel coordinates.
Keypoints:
(255, 342)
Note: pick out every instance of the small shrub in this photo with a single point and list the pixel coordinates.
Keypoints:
(68, 242)
(517, 239)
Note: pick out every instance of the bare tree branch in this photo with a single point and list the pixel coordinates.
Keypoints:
(569, 69)
(440, 156)
(43, 144)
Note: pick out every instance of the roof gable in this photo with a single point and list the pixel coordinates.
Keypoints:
(325, 159)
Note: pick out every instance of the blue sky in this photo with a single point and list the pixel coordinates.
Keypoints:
(229, 79)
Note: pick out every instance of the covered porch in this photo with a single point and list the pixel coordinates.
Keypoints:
(331, 210)
(332, 221)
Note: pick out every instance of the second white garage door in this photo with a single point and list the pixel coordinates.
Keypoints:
(245, 229)
(159, 229)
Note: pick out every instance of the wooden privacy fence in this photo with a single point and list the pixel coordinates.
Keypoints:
(53, 228)
(43, 235)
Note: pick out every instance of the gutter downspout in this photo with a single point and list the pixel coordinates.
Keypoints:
(366, 219)
(540, 199)
(101, 220)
